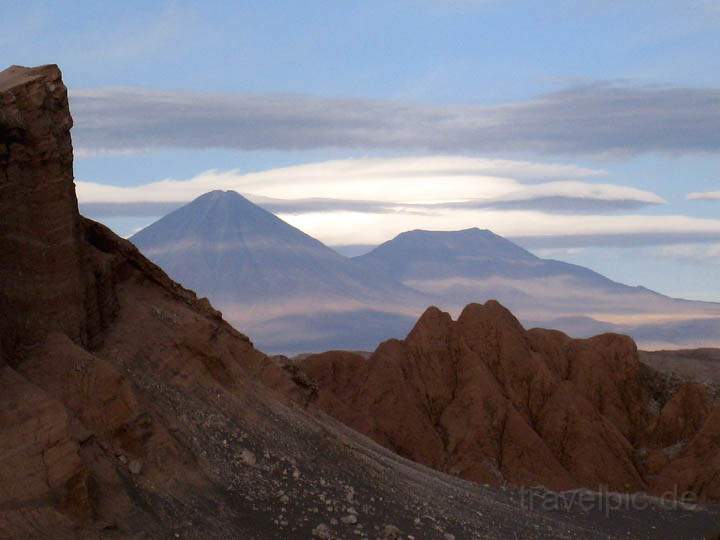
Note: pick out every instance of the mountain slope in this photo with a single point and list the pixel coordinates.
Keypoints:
(260, 271)
(437, 254)
(458, 267)
(229, 246)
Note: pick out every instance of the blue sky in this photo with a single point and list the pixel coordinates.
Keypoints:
(637, 86)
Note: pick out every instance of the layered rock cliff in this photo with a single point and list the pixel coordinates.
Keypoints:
(41, 263)
(486, 400)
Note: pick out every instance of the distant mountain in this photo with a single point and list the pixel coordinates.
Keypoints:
(265, 274)
(293, 294)
(457, 267)
(438, 259)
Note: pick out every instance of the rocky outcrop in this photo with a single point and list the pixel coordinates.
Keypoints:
(682, 416)
(130, 409)
(696, 466)
(40, 228)
(486, 400)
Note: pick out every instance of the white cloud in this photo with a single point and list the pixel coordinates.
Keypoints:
(434, 179)
(368, 201)
(704, 196)
(533, 228)
(578, 194)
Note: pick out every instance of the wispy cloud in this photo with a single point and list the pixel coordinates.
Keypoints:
(573, 197)
(368, 201)
(410, 185)
(430, 179)
(532, 229)
(591, 119)
(704, 196)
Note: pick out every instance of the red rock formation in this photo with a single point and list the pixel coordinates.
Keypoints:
(695, 467)
(486, 400)
(682, 416)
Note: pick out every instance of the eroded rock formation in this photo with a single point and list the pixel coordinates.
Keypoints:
(486, 400)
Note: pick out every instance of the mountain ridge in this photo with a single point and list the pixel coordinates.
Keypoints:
(477, 265)
(270, 278)
(295, 295)
(425, 237)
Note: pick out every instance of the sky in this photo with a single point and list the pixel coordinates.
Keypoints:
(586, 131)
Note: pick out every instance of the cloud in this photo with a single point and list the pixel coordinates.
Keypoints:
(591, 119)
(531, 229)
(402, 185)
(430, 179)
(104, 210)
(561, 197)
(573, 197)
(704, 196)
(368, 201)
